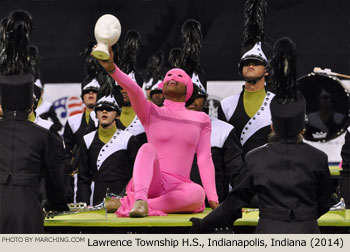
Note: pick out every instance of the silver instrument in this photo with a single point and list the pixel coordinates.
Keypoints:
(340, 206)
(79, 208)
(83, 208)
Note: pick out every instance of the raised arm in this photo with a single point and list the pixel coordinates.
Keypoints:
(138, 100)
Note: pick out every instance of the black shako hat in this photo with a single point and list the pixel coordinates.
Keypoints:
(288, 107)
(108, 101)
(17, 91)
(288, 119)
(109, 97)
(93, 86)
(156, 88)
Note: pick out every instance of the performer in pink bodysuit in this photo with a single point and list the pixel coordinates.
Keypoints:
(161, 178)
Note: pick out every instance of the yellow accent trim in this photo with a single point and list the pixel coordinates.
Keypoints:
(106, 134)
(252, 101)
(31, 116)
(127, 116)
(87, 117)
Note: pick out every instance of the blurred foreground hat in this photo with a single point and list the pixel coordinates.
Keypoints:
(288, 119)
(17, 91)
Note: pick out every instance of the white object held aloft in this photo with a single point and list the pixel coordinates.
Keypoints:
(107, 33)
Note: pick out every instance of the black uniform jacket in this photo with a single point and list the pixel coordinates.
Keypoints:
(75, 129)
(345, 154)
(63, 157)
(226, 151)
(252, 132)
(103, 166)
(27, 152)
(345, 173)
(293, 184)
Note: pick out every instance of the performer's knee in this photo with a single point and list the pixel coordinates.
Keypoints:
(194, 194)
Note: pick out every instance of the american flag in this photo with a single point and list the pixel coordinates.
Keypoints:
(68, 106)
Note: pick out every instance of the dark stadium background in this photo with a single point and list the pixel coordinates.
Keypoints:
(320, 29)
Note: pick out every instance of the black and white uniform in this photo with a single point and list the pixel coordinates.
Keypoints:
(345, 173)
(44, 123)
(74, 131)
(252, 132)
(28, 152)
(135, 128)
(103, 166)
(226, 153)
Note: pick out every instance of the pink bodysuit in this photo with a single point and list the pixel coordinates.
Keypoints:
(162, 167)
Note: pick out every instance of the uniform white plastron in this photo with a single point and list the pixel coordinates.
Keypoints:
(135, 127)
(229, 105)
(220, 130)
(75, 121)
(43, 123)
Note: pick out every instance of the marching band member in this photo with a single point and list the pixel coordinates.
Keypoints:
(80, 124)
(345, 173)
(293, 183)
(128, 119)
(249, 111)
(156, 95)
(27, 152)
(225, 147)
(106, 156)
(226, 150)
(155, 72)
